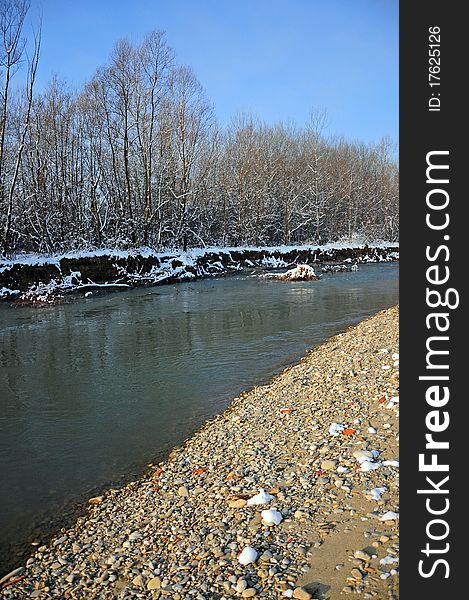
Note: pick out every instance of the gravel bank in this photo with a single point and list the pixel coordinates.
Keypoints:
(321, 439)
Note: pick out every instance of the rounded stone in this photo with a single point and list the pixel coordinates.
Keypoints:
(154, 584)
(301, 594)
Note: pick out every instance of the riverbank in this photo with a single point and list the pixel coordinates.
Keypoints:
(322, 438)
(41, 279)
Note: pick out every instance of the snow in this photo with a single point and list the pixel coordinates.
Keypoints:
(7, 292)
(299, 273)
(218, 259)
(187, 258)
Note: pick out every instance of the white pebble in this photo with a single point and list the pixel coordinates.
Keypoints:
(389, 560)
(247, 556)
(389, 516)
(369, 465)
(376, 493)
(271, 517)
(336, 428)
(261, 498)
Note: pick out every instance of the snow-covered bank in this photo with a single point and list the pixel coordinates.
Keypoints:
(33, 276)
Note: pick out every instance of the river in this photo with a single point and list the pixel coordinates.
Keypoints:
(95, 390)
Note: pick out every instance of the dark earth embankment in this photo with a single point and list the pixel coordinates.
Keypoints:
(28, 278)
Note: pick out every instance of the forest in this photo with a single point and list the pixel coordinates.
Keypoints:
(135, 157)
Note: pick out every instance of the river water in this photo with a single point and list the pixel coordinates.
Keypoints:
(96, 389)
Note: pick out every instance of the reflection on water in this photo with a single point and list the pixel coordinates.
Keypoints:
(98, 388)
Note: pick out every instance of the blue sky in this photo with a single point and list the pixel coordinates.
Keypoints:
(277, 58)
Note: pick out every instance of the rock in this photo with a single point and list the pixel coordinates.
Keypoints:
(183, 491)
(138, 581)
(96, 500)
(136, 535)
(362, 555)
(266, 556)
(261, 498)
(241, 585)
(384, 539)
(247, 556)
(300, 515)
(271, 517)
(249, 593)
(240, 503)
(71, 578)
(60, 540)
(301, 594)
(357, 574)
(328, 465)
(362, 455)
(389, 516)
(154, 584)
(255, 522)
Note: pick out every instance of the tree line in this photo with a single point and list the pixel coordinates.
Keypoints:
(135, 157)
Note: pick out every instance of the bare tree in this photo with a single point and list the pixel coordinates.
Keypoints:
(135, 157)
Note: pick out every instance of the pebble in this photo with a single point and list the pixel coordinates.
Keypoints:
(96, 500)
(138, 581)
(357, 574)
(271, 517)
(301, 594)
(247, 556)
(241, 585)
(154, 583)
(240, 503)
(362, 555)
(362, 454)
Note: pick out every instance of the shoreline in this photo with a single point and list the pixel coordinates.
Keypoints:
(42, 280)
(226, 460)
